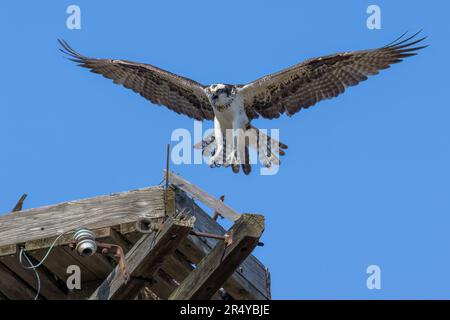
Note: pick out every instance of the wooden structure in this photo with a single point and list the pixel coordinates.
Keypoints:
(173, 248)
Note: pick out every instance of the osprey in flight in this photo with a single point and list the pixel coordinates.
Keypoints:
(233, 107)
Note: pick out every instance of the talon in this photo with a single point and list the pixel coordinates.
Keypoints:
(232, 159)
(215, 160)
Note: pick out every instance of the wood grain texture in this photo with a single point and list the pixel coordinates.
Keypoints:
(144, 259)
(59, 260)
(249, 281)
(50, 287)
(91, 213)
(13, 287)
(214, 269)
(9, 249)
(197, 193)
(159, 283)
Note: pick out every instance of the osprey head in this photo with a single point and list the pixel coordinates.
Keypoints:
(221, 95)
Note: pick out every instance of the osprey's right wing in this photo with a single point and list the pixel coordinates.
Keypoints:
(161, 87)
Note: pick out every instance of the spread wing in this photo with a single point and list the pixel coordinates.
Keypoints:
(161, 87)
(313, 80)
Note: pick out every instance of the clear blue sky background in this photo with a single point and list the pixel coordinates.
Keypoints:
(366, 177)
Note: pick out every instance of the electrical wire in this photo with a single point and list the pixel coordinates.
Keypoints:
(38, 279)
(35, 266)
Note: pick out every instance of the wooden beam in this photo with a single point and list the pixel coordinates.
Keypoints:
(222, 261)
(87, 287)
(177, 266)
(159, 284)
(57, 262)
(218, 206)
(10, 249)
(94, 213)
(249, 281)
(144, 259)
(13, 287)
(50, 288)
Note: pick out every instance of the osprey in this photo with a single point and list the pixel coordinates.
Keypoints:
(233, 107)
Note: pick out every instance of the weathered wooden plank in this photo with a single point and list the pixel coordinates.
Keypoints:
(126, 228)
(50, 288)
(222, 261)
(173, 271)
(177, 266)
(144, 259)
(249, 281)
(163, 284)
(159, 284)
(97, 264)
(93, 213)
(222, 208)
(120, 240)
(84, 292)
(59, 260)
(9, 249)
(245, 282)
(13, 287)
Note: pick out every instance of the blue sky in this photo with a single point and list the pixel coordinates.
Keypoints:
(366, 176)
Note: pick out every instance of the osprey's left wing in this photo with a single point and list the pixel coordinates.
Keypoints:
(161, 87)
(311, 81)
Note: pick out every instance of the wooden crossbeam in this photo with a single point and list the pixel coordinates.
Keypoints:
(94, 213)
(249, 281)
(218, 206)
(49, 287)
(13, 287)
(144, 259)
(125, 239)
(222, 261)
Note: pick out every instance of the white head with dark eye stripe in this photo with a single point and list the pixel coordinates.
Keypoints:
(221, 95)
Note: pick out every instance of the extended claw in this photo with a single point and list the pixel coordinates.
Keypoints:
(216, 160)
